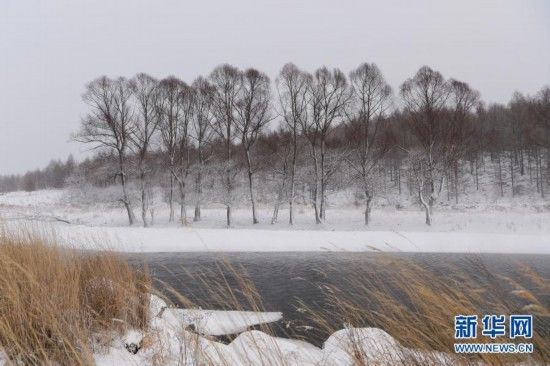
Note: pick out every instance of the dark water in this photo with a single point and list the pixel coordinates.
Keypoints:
(287, 282)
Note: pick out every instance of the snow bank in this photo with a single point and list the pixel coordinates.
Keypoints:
(263, 349)
(210, 322)
(170, 342)
(134, 239)
(35, 198)
(377, 347)
(97, 226)
(217, 322)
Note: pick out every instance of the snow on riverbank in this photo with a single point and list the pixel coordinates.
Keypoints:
(211, 322)
(169, 341)
(136, 239)
(218, 322)
(510, 229)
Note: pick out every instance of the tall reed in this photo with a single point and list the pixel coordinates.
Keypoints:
(58, 305)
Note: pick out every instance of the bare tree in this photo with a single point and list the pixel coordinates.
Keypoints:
(425, 96)
(186, 101)
(292, 89)
(495, 117)
(370, 101)
(253, 113)
(227, 82)
(329, 95)
(202, 132)
(171, 113)
(279, 147)
(464, 101)
(108, 125)
(146, 91)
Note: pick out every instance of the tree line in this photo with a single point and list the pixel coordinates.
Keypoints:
(307, 134)
(55, 175)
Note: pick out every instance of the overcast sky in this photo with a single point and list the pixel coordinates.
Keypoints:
(50, 49)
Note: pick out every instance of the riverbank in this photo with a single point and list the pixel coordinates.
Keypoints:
(82, 308)
(513, 228)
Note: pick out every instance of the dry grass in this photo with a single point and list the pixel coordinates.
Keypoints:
(55, 302)
(413, 303)
(57, 306)
(417, 306)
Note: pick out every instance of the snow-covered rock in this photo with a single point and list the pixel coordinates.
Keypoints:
(369, 343)
(170, 342)
(263, 349)
(375, 346)
(209, 322)
(217, 322)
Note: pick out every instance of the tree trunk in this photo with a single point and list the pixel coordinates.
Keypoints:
(315, 198)
(427, 206)
(275, 216)
(537, 180)
(447, 188)
(541, 175)
(521, 165)
(322, 214)
(198, 188)
(197, 216)
(291, 199)
(501, 183)
(529, 168)
(228, 177)
(367, 207)
(477, 173)
(292, 181)
(228, 214)
(250, 187)
(228, 182)
(512, 172)
(171, 198)
(547, 165)
(125, 196)
(456, 181)
(183, 210)
(143, 199)
(279, 197)
(315, 205)
(399, 179)
(229, 192)
(428, 215)
(144, 210)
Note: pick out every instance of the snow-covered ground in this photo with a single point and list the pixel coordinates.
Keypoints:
(170, 341)
(183, 337)
(514, 228)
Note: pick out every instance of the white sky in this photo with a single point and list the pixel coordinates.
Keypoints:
(50, 49)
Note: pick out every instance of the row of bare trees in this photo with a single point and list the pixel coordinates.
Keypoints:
(135, 116)
(322, 121)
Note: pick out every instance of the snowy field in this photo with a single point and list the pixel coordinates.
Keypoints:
(510, 228)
